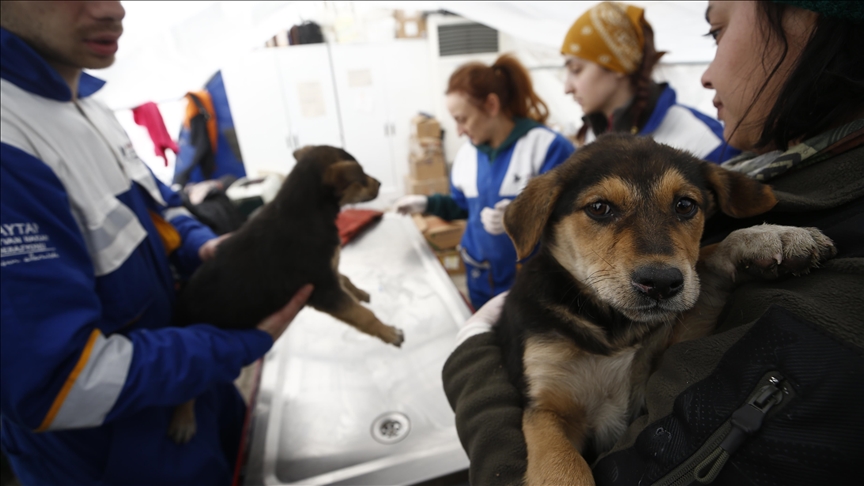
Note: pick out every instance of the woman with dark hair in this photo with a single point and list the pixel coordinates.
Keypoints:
(496, 107)
(610, 56)
(775, 395)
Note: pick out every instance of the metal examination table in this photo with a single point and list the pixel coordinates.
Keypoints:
(336, 406)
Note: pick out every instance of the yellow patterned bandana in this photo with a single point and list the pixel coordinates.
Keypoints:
(610, 34)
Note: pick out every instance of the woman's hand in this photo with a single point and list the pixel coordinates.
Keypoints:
(493, 218)
(411, 204)
(276, 324)
(482, 320)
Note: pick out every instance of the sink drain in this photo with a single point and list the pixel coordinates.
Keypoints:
(391, 428)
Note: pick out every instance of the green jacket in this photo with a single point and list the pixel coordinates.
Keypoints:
(810, 329)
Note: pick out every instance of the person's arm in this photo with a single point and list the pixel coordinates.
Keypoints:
(448, 207)
(60, 368)
(193, 233)
(488, 407)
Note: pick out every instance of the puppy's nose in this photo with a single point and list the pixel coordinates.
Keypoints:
(658, 282)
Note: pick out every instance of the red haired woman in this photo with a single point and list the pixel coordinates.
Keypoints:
(496, 107)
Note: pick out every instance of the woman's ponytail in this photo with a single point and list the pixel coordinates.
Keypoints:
(641, 78)
(508, 79)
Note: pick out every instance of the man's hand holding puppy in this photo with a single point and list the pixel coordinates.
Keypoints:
(275, 324)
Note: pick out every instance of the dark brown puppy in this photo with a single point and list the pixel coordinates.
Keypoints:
(615, 281)
(292, 241)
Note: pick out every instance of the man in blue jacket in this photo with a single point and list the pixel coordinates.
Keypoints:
(90, 369)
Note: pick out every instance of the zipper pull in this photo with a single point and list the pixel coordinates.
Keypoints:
(745, 422)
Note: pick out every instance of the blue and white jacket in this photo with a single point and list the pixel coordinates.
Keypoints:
(90, 369)
(480, 178)
(680, 126)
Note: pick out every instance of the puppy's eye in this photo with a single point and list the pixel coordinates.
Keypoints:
(686, 207)
(599, 210)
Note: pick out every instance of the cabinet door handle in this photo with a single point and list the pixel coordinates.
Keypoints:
(296, 141)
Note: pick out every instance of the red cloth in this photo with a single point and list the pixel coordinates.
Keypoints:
(352, 221)
(148, 116)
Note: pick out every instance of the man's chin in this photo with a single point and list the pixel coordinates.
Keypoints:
(98, 62)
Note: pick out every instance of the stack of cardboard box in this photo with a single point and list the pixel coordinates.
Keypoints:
(427, 169)
(443, 237)
(410, 24)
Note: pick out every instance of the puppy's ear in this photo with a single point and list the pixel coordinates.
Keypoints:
(299, 153)
(342, 174)
(528, 213)
(738, 195)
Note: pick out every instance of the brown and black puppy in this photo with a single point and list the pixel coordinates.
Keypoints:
(615, 281)
(292, 241)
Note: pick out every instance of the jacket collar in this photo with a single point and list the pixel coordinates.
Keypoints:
(661, 97)
(22, 66)
(813, 150)
(521, 127)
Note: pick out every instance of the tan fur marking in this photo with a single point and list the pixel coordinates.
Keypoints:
(364, 320)
(552, 460)
(738, 195)
(686, 236)
(672, 184)
(352, 290)
(611, 189)
(562, 379)
(563, 313)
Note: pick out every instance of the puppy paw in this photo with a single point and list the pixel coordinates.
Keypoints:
(394, 336)
(361, 295)
(770, 251)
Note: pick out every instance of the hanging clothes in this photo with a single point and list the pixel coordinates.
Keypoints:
(208, 143)
(149, 117)
(200, 124)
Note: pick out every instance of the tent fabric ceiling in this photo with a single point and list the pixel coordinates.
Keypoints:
(679, 27)
(169, 48)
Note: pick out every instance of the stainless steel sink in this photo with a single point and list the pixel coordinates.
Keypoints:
(336, 406)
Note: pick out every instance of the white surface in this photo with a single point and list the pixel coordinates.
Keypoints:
(258, 99)
(285, 98)
(324, 383)
(309, 95)
(377, 98)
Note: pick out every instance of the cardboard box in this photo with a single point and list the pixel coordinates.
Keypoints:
(425, 127)
(451, 260)
(427, 187)
(425, 146)
(430, 166)
(440, 234)
(410, 24)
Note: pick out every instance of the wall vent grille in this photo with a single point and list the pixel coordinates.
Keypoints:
(468, 38)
